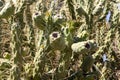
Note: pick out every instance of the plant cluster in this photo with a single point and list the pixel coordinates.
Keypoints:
(61, 39)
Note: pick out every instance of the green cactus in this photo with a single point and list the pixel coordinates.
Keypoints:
(39, 21)
(57, 41)
(84, 46)
(87, 64)
(1, 4)
(89, 77)
(8, 10)
(15, 73)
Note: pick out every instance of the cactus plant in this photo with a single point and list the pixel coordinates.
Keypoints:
(60, 39)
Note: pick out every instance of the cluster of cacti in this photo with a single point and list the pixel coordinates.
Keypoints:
(61, 39)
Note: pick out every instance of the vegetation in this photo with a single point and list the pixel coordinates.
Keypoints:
(60, 39)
